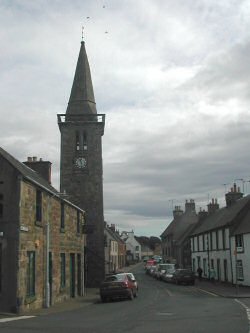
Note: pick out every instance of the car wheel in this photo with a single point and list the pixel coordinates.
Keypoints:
(131, 295)
(135, 293)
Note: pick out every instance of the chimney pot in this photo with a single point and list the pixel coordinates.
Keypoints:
(34, 159)
(29, 159)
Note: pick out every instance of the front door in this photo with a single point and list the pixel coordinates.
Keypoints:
(72, 275)
(218, 270)
(79, 275)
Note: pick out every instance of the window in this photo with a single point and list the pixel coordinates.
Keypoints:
(31, 274)
(203, 243)
(81, 142)
(85, 145)
(239, 272)
(211, 241)
(1, 205)
(137, 248)
(77, 142)
(239, 243)
(63, 270)
(223, 239)
(62, 217)
(38, 206)
(217, 240)
(198, 243)
(212, 263)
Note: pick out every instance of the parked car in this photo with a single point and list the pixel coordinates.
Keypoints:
(163, 269)
(118, 286)
(184, 276)
(133, 280)
(168, 276)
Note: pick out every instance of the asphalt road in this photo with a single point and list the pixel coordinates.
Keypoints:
(160, 307)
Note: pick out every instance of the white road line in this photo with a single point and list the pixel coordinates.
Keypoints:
(5, 320)
(247, 311)
(207, 292)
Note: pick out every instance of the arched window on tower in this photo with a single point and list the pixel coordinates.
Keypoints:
(85, 145)
(77, 141)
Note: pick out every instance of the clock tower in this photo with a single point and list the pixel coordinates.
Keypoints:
(81, 174)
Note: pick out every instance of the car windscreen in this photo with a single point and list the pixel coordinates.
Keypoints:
(111, 278)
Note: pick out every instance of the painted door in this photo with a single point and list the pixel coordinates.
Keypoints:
(72, 275)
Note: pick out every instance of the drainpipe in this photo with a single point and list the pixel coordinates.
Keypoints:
(47, 284)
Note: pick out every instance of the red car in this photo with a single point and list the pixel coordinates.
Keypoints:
(118, 286)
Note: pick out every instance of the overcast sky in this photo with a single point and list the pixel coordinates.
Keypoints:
(172, 77)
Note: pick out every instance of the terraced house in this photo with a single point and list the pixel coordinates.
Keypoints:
(220, 243)
(41, 239)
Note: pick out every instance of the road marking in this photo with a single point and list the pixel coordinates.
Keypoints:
(5, 320)
(164, 314)
(168, 292)
(247, 311)
(207, 292)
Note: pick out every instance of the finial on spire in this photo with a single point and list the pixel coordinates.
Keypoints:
(82, 32)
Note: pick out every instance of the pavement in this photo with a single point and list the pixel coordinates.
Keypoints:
(92, 296)
(223, 289)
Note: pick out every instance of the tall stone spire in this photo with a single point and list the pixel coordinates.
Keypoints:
(82, 99)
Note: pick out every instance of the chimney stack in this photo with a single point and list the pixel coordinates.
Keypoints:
(177, 211)
(202, 214)
(212, 206)
(234, 195)
(190, 206)
(43, 168)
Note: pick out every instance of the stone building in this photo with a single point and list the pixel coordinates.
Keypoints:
(41, 239)
(81, 163)
(175, 238)
(115, 249)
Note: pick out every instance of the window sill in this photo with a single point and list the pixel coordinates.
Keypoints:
(38, 224)
(62, 230)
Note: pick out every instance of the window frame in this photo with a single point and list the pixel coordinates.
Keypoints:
(31, 274)
(39, 200)
(62, 270)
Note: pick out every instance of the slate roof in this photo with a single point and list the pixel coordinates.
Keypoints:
(181, 226)
(244, 225)
(31, 175)
(226, 216)
(114, 235)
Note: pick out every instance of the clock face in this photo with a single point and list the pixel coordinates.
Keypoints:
(81, 162)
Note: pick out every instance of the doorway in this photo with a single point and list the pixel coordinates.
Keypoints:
(72, 275)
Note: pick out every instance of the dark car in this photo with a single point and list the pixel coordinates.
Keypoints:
(183, 276)
(118, 286)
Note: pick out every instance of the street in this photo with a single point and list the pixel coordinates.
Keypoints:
(160, 307)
